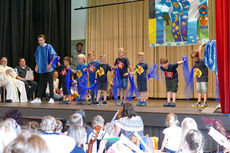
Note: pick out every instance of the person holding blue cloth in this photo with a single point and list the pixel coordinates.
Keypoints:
(44, 56)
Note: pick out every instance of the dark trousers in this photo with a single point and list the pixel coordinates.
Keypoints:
(30, 86)
(45, 78)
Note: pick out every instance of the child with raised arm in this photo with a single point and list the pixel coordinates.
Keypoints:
(171, 77)
(101, 79)
(141, 71)
(122, 63)
(201, 74)
(92, 68)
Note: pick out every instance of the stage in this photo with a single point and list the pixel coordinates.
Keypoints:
(153, 115)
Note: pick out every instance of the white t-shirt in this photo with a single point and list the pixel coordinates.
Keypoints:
(173, 135)
(59, 143)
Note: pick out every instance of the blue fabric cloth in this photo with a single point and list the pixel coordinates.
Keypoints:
(82, 86)
(79, 69)
(116, 84)
(132, 89)
(43, 56)
(92, 68)
(153, 71)
(54, 63)
(188, 77)
(77, 150)
(210, 58)
(67, 81)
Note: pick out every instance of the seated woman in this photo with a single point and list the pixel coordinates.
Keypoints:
(129, 122)
(57, 97)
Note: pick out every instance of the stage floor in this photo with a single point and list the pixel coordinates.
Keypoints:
(153, 106)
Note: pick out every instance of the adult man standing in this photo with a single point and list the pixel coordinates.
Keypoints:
(44, 56)
(12, 84)
(25, 74)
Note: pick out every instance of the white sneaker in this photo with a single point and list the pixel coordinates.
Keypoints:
(36, 101)
(51, 101)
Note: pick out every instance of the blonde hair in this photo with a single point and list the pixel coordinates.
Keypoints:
(27, 143)
(48, 123)
(7, 134)
(59, 126)
(140, 54)
(122, 49)
(102, 55)
(171, 120)
(78, 133)
(81, 56)
(32, 126)
(98, 120)
(76, 119)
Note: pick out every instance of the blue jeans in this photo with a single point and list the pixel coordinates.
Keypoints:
(93, 91)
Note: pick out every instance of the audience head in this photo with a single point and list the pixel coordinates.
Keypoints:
(82, 112)
(22, 61)
(98, 121)
(32, 126)
(27, 143)
(128, 110)
(78, 133)
(171, 120)
(140, 56)
(48, 124)
(195, 55)
(67, 61)
(13, 124)
(91, 56)
(4, 61)
(59, 126)
(76, 119)
(7, 134)
(81, 58)
(110, 129)
(14, 114)
(121, 52)
(194, 141)
(41, 39)
(187, 124)
(164, 62)
(79, 47)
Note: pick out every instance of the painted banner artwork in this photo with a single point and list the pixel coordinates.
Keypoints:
(178, 22)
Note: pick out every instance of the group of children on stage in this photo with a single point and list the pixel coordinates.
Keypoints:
(97, 74)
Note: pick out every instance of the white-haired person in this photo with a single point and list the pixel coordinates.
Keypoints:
(172, 134)
(79, 134)
(193, 142)
(186, 125)
(7, 134)
(27, 143)
(13, 124)
(58, 127)
(48, 125)
(12, 84)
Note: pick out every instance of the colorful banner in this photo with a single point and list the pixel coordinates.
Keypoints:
(178, 22)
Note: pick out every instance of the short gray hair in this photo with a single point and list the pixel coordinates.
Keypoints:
(48, 123)
(76, 119)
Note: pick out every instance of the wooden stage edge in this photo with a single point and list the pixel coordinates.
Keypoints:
(153, 106)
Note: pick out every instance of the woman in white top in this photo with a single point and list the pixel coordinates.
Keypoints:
(57, 97)
(172, 134)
